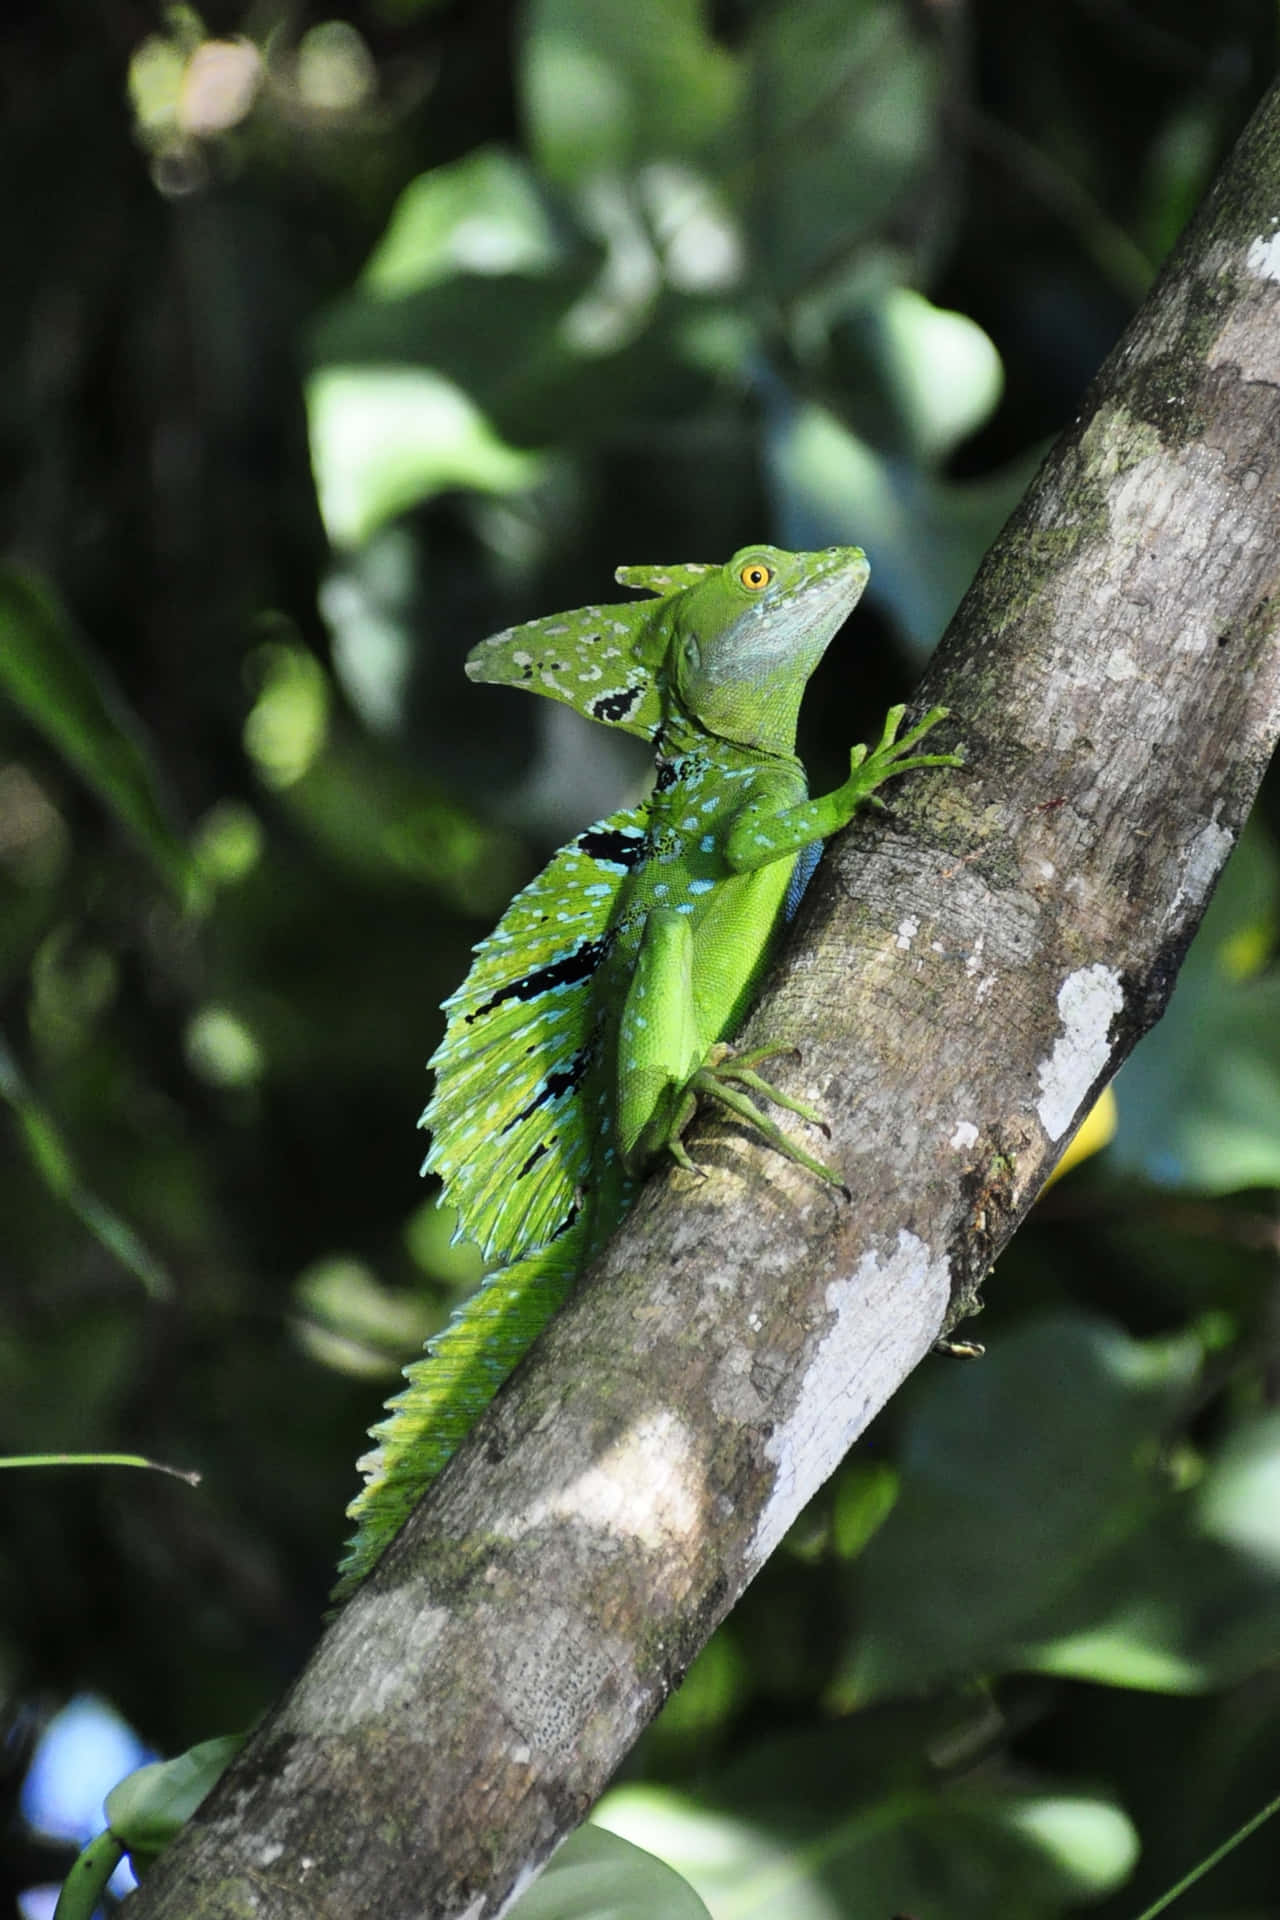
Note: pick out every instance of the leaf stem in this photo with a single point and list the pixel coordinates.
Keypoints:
(1207, 1865)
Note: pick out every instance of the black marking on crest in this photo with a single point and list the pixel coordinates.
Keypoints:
(533, 1159)
(579, 964)
(614, 846)
(552, 1087)
(567, 1222)
(616, 705)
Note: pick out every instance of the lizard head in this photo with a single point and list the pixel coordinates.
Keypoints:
(747, 637)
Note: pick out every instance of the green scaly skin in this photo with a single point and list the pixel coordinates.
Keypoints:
(598, 1011)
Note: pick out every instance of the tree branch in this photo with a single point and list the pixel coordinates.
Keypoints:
(969, 971)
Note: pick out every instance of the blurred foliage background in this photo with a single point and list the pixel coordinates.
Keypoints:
(335, 342)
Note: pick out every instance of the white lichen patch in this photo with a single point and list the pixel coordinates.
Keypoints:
(907, 931)
(1121, 665)
(883, 1317)
(1088, 1001)
(645, 1487)
(1205, 858)
(1263, 257)
(964, 1137)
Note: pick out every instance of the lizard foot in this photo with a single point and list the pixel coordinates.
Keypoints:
(719, 1079)
(892, 756)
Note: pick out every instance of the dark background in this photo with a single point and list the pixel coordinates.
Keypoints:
(519, 294)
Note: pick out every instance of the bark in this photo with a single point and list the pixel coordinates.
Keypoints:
(969, 971)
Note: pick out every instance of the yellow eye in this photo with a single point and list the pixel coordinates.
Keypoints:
(755, 576)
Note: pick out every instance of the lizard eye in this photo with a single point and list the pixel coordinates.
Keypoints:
(755, 576)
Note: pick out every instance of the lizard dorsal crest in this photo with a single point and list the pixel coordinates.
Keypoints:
(602, 661)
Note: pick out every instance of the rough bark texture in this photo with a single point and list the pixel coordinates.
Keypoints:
(969, 972)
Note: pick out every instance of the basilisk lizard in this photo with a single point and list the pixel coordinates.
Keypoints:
(599, 1010)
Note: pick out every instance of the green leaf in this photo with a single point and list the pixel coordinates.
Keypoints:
(1199, 1101)
(150, 1805)
(844, 113)
(483, 214)
(1033, 1532)
(49, 671)
(598, 1876)
(1190, 1600)
(385, 438)
(508, 345)
(610, 83)
(808, 1840)
(1020, 1474)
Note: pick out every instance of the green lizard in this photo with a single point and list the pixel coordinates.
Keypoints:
(599, 1009)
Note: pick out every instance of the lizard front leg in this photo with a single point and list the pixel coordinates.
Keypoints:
(759, 834)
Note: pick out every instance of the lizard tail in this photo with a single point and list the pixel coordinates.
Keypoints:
(448, 1388)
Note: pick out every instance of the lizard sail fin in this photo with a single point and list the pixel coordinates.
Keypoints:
(513, 1143)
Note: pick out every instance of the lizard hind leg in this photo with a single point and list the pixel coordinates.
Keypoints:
(715, 1080)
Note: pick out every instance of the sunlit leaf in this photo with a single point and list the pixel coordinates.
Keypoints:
(597, 1875)
(812, 1842)
(483, 214)
(385, 438)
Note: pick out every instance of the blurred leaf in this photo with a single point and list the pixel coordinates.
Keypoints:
(609, 83)
(1020, 1473)
(833, 487)
(385, 438)
(1200, 1096)
(483, 214)
(810, 1845)
(1190, 1599)
(381, 820)
(596, 1875)
(347, 1319)
(53, 1160)
(49, 672)
(1030, 1531)
(715, 1685)
(844, 112)
(944, 371)
(507, 344)
(866, 1492)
